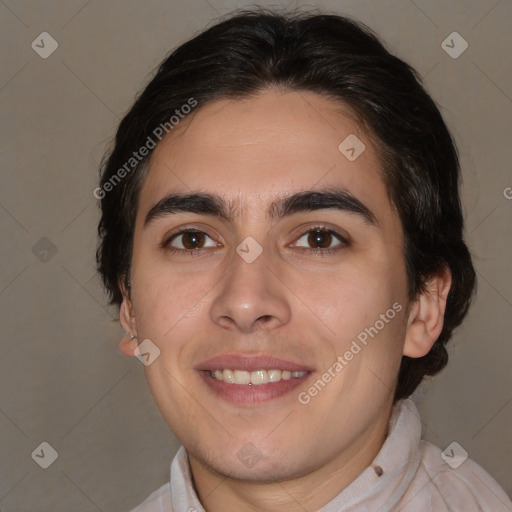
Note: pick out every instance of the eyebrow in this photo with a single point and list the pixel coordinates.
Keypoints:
(305, 201)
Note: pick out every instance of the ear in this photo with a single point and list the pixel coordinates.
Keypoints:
(426, 316)
(127, 319)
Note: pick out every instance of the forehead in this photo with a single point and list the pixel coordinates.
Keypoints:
(253, 150)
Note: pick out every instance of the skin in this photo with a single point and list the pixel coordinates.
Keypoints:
(289, 303)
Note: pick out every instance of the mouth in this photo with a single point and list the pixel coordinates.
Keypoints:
(249, 381)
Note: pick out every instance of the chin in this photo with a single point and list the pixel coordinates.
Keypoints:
(256, 467)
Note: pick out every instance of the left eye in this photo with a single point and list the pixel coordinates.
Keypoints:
(321, 238)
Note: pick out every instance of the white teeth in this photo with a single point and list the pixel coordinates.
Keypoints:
(227, 376)
(241, 377)
(256, 377)
(259, 377)
(274, 375)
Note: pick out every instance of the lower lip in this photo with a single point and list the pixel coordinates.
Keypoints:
(248, 396)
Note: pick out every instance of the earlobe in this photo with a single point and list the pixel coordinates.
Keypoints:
(127, 345)
(426, 316)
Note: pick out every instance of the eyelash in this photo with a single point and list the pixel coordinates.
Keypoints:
(320, 252)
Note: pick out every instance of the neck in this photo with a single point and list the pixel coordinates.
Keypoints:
(309, 492)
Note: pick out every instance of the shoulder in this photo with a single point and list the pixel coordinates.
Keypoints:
(157, 501)
(454, 482)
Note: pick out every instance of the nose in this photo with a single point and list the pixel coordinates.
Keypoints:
(251, 297)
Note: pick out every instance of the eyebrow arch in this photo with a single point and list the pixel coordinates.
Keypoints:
(304, 201)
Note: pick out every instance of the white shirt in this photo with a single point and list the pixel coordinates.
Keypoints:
(407, 475)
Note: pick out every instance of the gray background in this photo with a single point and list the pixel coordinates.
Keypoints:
(62, 379)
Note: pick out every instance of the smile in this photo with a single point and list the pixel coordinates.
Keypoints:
(249, 380)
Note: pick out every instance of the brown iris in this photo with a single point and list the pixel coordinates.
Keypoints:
(320, 238)
(191, 239)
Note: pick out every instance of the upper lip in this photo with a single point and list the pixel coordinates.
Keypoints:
(250, 363)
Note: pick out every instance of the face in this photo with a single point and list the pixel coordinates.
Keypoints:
(305, 298)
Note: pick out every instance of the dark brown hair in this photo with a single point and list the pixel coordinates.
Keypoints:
(340, 59)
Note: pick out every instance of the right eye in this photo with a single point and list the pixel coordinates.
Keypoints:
(188, 240)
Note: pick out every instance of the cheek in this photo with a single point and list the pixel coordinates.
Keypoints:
(164, 305)
(354, 296)
(164, 294)
(364, 306)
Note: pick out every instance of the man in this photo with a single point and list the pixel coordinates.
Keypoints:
(281, 227)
